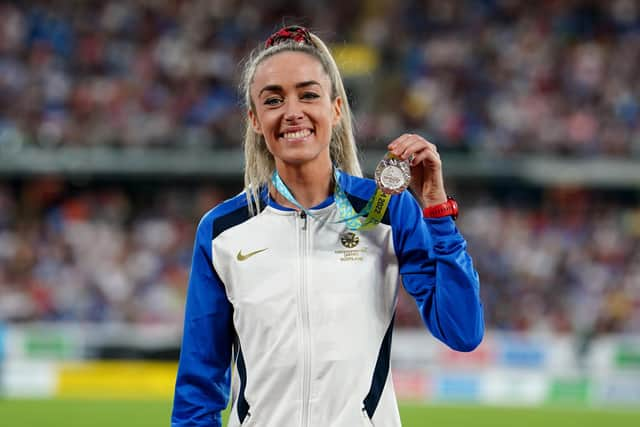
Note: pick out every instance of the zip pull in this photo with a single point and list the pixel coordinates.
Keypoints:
(303, 217)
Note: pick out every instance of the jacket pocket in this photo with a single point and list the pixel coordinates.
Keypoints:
(365, 419)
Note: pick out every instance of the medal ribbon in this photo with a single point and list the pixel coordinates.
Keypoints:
(374, 209)
(286, 193)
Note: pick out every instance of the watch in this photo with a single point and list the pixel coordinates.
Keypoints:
(448, 208)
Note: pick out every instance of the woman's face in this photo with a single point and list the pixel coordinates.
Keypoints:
(293, 108)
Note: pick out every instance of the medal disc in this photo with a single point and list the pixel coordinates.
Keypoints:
(392, 175)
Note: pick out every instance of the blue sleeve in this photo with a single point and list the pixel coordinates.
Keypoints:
(203, 380)
(438, 273)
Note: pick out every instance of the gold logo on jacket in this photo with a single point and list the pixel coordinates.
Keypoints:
(243, 257)
(350, 240)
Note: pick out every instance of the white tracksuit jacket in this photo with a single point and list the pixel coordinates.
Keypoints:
(304, 310)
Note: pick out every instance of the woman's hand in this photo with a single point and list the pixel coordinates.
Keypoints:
(427, 182)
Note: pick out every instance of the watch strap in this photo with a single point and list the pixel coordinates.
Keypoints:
(448, 208)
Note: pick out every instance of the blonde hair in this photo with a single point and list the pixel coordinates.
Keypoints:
(259, 162)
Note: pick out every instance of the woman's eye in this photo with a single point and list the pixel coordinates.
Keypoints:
(272, 101)
(310, 95)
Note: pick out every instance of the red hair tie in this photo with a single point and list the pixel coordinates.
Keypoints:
(293, 32)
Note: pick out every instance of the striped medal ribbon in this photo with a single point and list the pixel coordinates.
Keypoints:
(366, 219)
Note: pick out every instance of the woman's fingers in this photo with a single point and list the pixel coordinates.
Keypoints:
(415, 148)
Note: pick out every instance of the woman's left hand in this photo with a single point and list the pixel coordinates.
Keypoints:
(427, 181)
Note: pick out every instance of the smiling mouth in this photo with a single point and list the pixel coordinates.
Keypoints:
(299, 134)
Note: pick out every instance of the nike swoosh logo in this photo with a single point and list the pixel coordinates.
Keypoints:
(243, 257)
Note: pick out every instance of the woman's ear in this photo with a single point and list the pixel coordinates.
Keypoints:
(255, 123)
(337, 110)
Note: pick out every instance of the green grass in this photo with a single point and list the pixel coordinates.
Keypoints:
(491, 416)
(135, 413)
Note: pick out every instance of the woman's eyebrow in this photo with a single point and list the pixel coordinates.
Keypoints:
(278, 88)
(307, 83)
(270, 88)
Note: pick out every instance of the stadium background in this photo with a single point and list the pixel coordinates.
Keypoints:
(120, 125)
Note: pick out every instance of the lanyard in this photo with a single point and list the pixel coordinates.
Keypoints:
(373, 211)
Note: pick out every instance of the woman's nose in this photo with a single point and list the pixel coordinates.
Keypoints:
(293, 112)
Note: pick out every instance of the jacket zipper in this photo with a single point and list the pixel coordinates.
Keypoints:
(304, 308)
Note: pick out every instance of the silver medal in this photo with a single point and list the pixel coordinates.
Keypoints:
(393, 175)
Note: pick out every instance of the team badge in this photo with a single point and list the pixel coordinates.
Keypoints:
(349, 240)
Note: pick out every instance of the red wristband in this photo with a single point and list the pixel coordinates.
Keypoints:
(448, 208)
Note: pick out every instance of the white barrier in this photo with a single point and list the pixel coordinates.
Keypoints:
(518, 369)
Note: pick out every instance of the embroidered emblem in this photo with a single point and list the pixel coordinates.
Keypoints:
(349, 239)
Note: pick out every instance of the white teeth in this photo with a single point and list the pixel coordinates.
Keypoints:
(298, 134)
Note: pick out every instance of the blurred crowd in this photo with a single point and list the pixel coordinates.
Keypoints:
(489, 76)
(570, 263)
(496, 77)
(98, 254)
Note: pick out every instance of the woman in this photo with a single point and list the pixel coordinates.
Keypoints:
(294, 287)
